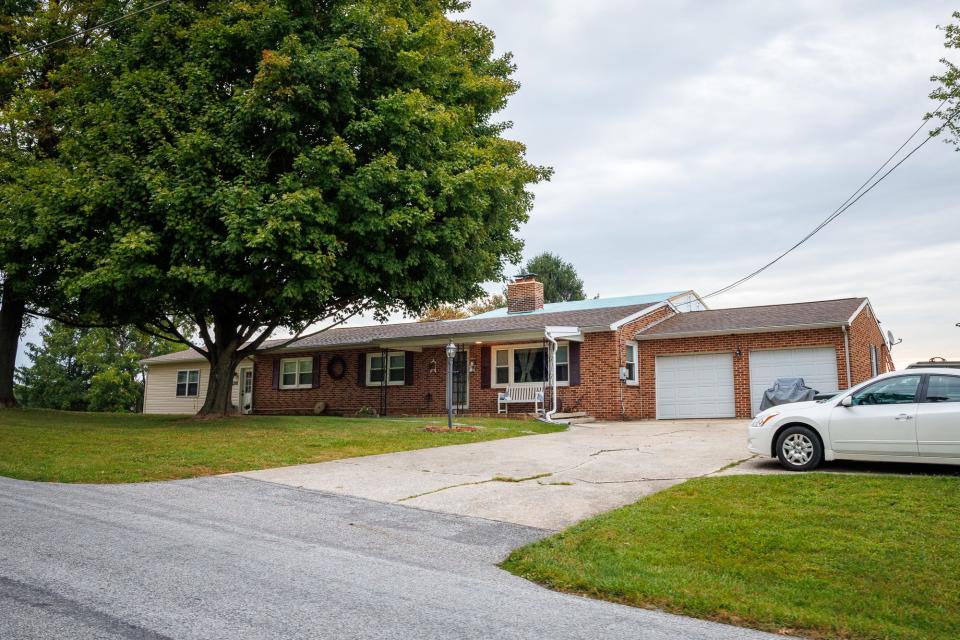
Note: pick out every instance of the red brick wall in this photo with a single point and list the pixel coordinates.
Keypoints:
(864, 332)
(599, 394)
(345, 395)
(649, 350)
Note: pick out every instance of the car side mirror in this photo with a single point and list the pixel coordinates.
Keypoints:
(846, 402)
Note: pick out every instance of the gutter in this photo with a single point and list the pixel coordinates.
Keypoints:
(548, 415)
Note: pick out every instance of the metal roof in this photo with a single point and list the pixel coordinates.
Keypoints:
(581, 305)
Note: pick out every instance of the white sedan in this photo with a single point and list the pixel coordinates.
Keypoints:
(903, 416)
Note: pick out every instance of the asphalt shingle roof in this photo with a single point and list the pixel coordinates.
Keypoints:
(740, 319)
(356, 336)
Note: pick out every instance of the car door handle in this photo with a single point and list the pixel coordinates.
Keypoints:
(904, 416)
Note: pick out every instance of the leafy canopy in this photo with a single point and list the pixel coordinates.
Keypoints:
(260, 164)
(559, 278)
(87, 369)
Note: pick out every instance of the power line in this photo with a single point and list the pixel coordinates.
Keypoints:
(83, 32)
(850, 201)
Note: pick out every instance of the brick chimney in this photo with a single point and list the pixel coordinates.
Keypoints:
(524, 294)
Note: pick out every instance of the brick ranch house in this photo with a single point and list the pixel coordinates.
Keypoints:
(654, 356)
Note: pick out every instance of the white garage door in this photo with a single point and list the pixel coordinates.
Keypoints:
(695, 386)
(817, 367)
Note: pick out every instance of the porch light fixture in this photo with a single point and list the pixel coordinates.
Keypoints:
(451, 354)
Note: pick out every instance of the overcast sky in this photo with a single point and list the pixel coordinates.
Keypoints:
(693, 141)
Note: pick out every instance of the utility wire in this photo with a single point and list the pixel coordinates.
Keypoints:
(863, 190)
(85, 31)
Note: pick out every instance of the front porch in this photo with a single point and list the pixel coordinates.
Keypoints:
(393, 377)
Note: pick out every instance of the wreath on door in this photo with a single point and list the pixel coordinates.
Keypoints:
(336, 367)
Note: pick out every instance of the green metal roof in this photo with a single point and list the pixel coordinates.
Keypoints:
(580, 305)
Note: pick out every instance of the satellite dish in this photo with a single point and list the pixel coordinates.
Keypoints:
(891, 341)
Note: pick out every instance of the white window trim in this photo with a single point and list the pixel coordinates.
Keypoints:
(509, 348)
(298, 385)
(187, 393)
(635, 380)
(386, 371)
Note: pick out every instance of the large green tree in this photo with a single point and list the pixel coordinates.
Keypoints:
(559, 277)
(37, 37)
(948, 85)
(266, 164)
(87, 369)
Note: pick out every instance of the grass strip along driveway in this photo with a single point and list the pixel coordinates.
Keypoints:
(819, 555)
(61, 446)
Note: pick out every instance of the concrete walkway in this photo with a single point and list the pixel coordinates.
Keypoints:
(544, 481)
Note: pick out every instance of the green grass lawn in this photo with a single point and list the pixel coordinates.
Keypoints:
(59, 446)
(819, 555)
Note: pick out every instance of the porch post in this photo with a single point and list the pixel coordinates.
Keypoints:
(451, 354)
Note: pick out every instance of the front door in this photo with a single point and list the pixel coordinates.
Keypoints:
(461, 381)
(246, 390)
(881, 420)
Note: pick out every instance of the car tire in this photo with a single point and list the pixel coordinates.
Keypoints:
(799, 449)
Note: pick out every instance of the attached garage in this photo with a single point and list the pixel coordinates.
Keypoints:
(718, 362)
(817, 366)
(695, 386)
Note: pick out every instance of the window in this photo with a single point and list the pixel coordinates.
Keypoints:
(899, 390)
(631, 360)
(529, 364)
(563, 363)
(943, 389)
(396, 368)
(188, 383)
(502, 366)
(296, 373)
(874, 364)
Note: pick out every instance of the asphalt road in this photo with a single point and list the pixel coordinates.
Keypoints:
(231, 557)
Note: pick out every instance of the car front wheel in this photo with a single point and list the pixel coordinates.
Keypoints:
(799, 449)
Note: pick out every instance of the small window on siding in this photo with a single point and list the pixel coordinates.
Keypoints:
(631, 363)
(188, 383)
(395, 368)
(296, 373)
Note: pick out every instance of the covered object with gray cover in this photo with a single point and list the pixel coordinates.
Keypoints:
(786, 390)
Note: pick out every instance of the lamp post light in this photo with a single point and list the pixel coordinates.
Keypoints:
(451, 353)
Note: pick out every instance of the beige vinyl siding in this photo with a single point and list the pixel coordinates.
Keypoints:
(160, 395)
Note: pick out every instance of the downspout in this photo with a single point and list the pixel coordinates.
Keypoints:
(548, 415)
(846, 354)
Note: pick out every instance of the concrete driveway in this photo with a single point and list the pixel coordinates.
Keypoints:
(544, 481)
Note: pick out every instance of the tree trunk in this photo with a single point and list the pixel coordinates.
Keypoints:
(223, 364)
(12, 311)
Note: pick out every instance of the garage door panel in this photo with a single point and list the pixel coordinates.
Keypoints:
(817, 366)
(695, 386)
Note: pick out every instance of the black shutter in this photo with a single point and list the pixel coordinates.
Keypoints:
(573, 355)
(361, 369)
(316, 371)
(276, 373)
(485, 367)
(408, 368)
